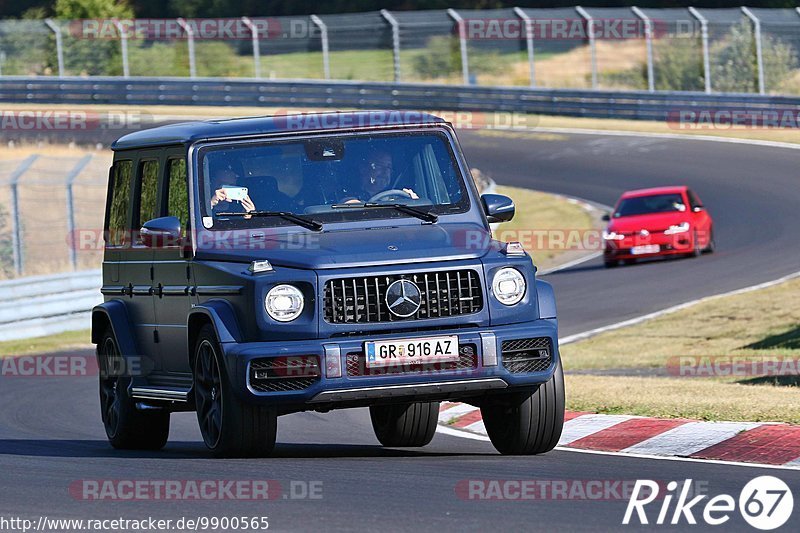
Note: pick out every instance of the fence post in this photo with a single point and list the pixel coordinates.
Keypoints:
(395, 41)
(648, 37)
(16, 237)
(529, 42)
(592, 48)
(190, 43)
(59, 45)
(123, 42)
(759, 51)
(704, 36)
(323, 35)
(76, 170)
(256, 46)
(462, 41)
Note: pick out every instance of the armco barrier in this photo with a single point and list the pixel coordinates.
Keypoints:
(43, 305)
(640, 105)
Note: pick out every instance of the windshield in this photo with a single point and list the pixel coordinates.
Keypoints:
(315, 177)
(657, 203)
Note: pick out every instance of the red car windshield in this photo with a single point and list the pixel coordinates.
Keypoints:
(645, 205)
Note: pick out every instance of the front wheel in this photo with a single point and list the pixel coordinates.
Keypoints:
(127, 427)
(526, 423)
(230, 427)
(712, 243)
(405, 425)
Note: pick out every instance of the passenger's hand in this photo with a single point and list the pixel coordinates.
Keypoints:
(411, 193)
(219, 196)
(248, 204)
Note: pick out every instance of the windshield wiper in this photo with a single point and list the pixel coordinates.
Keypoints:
(304, 222)
(427, 216)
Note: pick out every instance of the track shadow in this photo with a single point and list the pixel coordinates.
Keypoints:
(789, 340)
(777, 381)
(196, 450)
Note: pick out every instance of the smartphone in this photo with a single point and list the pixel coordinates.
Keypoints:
(235, 194)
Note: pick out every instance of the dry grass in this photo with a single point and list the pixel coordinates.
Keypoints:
(683, 398)
(52, 343)
(721, 326)
(538, 211)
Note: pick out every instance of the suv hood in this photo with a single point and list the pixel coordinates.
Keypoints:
(361, 247)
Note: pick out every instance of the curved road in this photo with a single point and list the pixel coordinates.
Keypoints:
(51, 436)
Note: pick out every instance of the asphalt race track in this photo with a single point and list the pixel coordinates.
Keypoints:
(51, 436)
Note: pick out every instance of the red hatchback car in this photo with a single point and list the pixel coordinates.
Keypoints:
(664, 221)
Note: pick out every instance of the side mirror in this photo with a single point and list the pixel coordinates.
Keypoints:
(606, 217)
(698, 208)
(498, 208)
(164, 231)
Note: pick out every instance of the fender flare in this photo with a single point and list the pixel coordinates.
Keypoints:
(116, 314)
(222, 316)
(546, 298)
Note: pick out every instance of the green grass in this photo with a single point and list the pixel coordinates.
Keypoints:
(51, 343)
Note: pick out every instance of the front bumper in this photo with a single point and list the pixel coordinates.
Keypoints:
(352, 389)
(678, 244)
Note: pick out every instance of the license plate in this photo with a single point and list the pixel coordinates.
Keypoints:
(647, 249)
(409, 351)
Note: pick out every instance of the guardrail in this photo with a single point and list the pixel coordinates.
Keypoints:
(43, 305)
(639, 105)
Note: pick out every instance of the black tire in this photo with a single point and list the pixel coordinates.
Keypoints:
(629, 262)
(696, 250)
(525, 423)
(127, 428)
(610, 263)
(406, 425)
(712, 243)
(230, 427)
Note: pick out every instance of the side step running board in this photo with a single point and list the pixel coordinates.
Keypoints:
(161, 393)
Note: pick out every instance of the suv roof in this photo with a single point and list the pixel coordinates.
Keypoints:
(189, 132)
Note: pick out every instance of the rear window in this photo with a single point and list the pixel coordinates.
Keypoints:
(121, 176)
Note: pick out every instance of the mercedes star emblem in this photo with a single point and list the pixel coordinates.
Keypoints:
(403, 298)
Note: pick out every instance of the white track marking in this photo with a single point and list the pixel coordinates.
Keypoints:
(477, 427)
(585, 425)
(690, 438)
(570, 264)
(456, 411)
(672, 136)
(444, 430)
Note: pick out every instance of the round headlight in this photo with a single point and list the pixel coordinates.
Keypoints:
(284, 303)
(508, 286)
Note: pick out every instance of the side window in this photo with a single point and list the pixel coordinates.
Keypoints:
(121, 176)
(148, 191)
(177, 192)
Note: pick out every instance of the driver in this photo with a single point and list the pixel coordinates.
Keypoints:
(375, 177)
(225, 175)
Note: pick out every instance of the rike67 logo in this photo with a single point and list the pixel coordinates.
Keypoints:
(765, 503)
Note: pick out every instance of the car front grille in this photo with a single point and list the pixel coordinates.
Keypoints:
(527, 355)
(362, 300)
(468, 359)
(282, 374)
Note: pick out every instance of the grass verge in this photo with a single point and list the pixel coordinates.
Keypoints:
(48, 344)
(723, 335)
